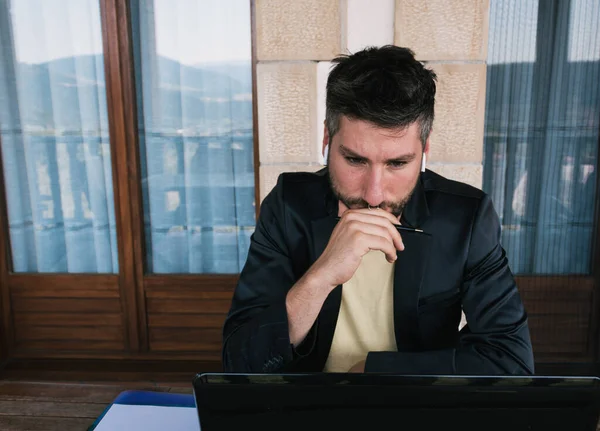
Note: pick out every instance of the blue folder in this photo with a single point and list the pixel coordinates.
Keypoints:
(148, 398)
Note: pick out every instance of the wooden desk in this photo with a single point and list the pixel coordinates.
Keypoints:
(66, 406)
(51, 406)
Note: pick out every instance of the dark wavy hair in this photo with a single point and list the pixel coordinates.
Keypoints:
(385, 86)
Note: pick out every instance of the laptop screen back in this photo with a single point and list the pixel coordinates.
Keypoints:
(374, 401)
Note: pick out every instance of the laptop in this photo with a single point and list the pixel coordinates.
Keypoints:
(333, 401)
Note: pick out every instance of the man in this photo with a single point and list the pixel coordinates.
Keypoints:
(366, 265)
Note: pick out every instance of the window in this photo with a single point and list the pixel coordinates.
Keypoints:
(128, 158)
(55, 141)
(541, 137)
(193, 76)
(541, 142)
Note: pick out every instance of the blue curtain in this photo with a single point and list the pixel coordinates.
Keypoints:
(55, 144)
(541, 131)
(195, 131)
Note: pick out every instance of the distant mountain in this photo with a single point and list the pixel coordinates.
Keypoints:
(63, 94)
(212, 81)
(240, 71)
(69, 94)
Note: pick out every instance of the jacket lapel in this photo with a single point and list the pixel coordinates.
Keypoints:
(408, 277)
(409, 270)
(322, 226)
(326, 322)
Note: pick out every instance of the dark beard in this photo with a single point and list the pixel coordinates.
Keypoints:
(395, 208)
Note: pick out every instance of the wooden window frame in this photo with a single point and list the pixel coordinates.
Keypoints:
(129, 293)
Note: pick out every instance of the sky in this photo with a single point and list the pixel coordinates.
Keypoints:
(189, 31)
(206, 31)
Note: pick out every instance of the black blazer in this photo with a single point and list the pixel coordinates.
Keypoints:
(457, 263)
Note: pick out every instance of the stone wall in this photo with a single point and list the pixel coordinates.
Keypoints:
(296, 39)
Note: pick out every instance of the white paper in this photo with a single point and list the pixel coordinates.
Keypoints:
(121, 417)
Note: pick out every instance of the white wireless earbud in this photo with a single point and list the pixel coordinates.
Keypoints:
(424, 162)
(325, 154)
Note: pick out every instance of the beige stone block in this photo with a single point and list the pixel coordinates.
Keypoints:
(366, 23)
(457, 135)
(287, 112)
(269, 174)
(443, 29)
(471, 174)
(297, 29)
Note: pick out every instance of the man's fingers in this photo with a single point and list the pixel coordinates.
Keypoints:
(375, 218)
(376, 242)
(374, 212)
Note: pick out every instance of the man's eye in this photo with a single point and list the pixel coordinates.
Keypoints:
(397, 164)
(354, 160)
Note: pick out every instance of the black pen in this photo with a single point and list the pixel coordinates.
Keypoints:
(399, 227)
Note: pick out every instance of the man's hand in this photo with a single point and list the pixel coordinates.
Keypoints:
(359, 367)
(357, 232)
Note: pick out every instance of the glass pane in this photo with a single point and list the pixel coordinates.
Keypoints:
(194, 89)
(541, 131)
(54, 131)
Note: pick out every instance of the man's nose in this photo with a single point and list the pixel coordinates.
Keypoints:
(373, 191)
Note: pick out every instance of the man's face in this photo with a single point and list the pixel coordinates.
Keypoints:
(369, 165)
